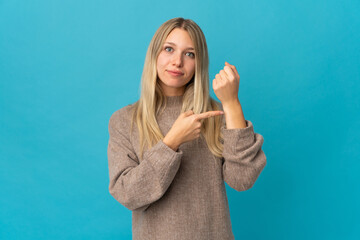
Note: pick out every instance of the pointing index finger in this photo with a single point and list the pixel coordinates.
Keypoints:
(208, 114)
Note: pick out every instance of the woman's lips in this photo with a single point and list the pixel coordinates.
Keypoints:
(174, 73)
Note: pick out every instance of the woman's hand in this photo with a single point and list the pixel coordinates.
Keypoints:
(187, 127)
(226, 87)
(226, 84)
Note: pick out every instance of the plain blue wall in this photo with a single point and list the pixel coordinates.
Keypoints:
(66, 66)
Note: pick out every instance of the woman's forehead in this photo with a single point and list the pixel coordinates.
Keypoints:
(181, 38)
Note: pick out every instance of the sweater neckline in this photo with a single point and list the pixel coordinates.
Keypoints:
(173, 101)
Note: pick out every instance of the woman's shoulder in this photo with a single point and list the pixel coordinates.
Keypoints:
(121, 118)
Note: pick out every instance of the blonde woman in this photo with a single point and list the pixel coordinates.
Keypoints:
(171, 151)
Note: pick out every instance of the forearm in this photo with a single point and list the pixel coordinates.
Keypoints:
(244, 159)
(137, 185)
(234, 115)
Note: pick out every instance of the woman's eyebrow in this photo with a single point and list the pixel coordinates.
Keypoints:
(189, 48)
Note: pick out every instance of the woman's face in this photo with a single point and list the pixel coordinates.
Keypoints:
(176, 62)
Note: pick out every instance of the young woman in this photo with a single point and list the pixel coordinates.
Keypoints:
(171, 151)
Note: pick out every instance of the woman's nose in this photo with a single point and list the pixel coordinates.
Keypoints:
(177, 59)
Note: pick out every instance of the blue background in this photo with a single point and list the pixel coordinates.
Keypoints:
(66, 66)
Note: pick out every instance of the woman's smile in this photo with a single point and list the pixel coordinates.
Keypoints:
(175, 74)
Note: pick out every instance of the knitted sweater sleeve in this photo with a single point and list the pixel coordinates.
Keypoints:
(137, 184)
(243, 158)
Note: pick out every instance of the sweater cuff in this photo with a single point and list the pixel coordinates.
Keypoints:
(163, 158)
(238, 138)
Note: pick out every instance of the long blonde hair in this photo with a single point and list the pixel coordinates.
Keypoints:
(196, 96)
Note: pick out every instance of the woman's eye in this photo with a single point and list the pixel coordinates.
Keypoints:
(167, 48)
(191, 54)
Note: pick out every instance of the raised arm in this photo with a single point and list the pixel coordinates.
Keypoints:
(242, 154)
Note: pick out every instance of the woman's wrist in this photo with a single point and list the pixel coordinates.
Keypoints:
(171, 143)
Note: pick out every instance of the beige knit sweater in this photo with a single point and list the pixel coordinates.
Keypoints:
(180, 195)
